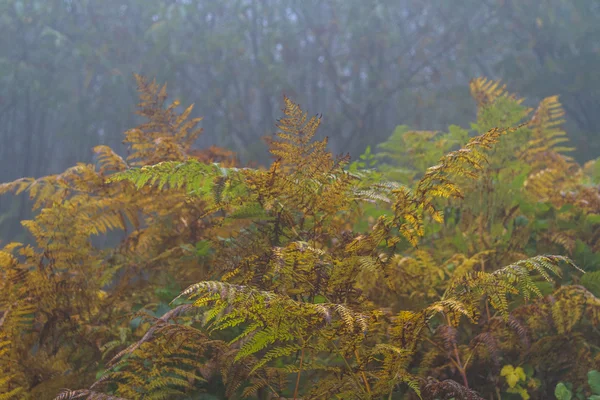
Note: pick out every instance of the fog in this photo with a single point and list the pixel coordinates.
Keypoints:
(67, 85)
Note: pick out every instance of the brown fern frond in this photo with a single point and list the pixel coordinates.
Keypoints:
(67, 394)
(166, 135)
(295, 147)
(433, 389)
(566, 239)
(489, 342)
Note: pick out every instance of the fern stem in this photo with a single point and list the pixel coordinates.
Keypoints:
(443, 350)
(487, 306)
(461, 368)
(347, 366)
(362, 373)
(299, 373)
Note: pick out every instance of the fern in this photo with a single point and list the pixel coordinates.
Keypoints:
(290, 301)
(449, 389)
(61, 295)
(273, 270)
(166, 136)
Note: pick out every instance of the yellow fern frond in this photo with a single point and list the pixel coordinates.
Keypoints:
(109, 160)
(486, 91)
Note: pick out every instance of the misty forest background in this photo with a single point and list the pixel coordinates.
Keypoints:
(66, 71)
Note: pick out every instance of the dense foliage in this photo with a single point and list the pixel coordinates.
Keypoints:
(418, 270)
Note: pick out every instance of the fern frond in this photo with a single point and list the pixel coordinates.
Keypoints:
(571, 304)
(67, 394)
(295, 146)
(448, 389)
(486, 91)
(515, 278)
(545, 124)
(109, 160)
(166, 135)
(436, 183)
(591, 281)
